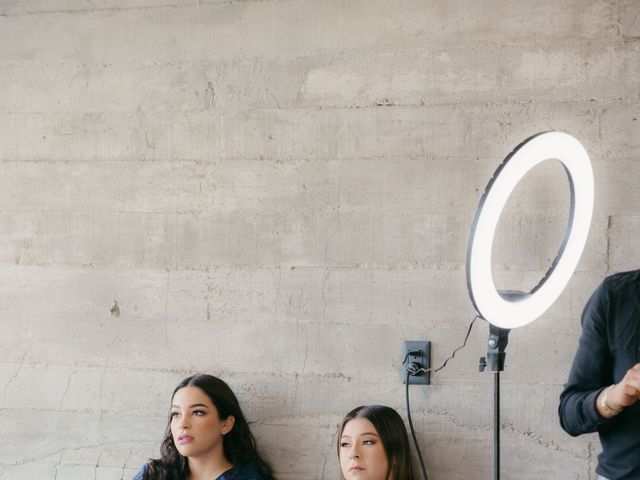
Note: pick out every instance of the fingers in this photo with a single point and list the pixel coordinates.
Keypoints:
(627, 392)
(630, 389)
(632, 376)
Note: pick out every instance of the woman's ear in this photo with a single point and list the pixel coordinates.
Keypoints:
(228, 424)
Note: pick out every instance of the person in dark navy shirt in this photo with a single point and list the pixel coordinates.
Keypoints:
(207, 437)
(602, 392)
(241, 472)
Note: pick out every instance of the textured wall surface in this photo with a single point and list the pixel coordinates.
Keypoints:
(280, 192)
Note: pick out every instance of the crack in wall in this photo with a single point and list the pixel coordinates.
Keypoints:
(504, 427)
(93, 9)
(21, 364)
(62, 451)
(324, 295)
(95, 470)
(66, 390)
(124, 464)
(326, 457)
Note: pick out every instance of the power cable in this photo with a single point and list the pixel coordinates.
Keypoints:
(416, 371)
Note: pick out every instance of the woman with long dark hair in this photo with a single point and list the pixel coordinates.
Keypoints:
(207, 437)
(373, 445)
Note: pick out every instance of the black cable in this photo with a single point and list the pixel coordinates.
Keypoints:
(411, 352)
(405, 358)
(464, 344)
(416, 372)
(413, 432)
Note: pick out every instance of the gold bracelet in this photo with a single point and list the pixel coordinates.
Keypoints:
(605, 406)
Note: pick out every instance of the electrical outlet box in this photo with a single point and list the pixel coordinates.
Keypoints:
(422, 358)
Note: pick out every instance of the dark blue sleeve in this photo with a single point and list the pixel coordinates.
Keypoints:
(592, 369)
(140, 473)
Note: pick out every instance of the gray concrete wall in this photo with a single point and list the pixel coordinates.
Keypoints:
(280, 193)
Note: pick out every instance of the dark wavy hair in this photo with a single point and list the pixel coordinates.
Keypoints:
(393, 436)
(239, 444)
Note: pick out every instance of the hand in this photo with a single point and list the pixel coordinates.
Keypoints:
(627, 391)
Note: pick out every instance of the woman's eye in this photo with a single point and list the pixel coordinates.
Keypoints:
(198, 413)
(174, 415)
(344, 445)
(369, 442)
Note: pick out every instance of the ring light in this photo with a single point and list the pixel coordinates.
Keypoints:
(511, 311)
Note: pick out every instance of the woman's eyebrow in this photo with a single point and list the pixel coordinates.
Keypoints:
(192, 406)
(361, 434)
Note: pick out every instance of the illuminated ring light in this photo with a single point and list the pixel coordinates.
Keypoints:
(508, 310)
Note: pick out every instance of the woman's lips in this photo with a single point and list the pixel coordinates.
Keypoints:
(182, 439)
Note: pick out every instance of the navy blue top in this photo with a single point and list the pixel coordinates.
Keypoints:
(609, 346)
(242, 472)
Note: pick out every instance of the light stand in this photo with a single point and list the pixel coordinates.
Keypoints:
(507, 310)
(497, 344)
(494, 363)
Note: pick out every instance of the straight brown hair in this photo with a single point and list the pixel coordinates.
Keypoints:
(393, 435)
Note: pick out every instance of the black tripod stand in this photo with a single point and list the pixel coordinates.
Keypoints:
(497, 343)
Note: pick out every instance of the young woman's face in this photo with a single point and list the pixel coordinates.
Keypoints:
(195, 423)
(362, 455)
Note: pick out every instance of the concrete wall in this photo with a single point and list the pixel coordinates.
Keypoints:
(280, 192)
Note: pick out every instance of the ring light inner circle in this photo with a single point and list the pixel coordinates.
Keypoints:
(531, 229)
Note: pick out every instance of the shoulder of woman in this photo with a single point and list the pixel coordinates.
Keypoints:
(139, 475)
(242, 472)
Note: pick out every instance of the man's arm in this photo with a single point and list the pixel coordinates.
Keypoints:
(591, 372)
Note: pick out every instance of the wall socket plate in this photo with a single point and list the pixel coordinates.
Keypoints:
(424, 360)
